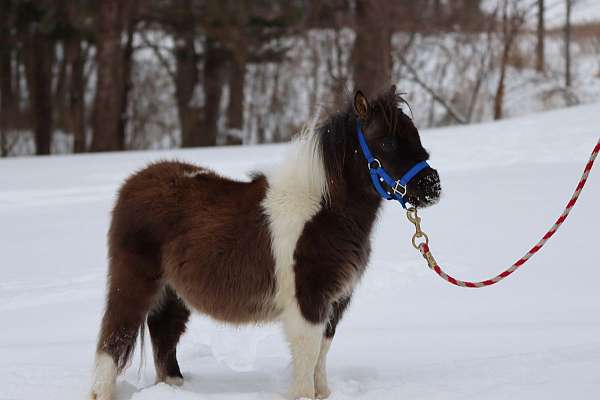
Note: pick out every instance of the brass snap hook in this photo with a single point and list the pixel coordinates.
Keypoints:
(413, 217)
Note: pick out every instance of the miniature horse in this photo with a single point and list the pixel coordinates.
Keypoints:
(287, 246)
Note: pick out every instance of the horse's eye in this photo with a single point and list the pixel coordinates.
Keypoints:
(389, 144)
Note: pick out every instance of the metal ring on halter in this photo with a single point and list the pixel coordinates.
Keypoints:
(374, 161)
(419, 235)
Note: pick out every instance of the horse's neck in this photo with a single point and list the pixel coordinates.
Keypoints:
(356, 205)
(302, 181)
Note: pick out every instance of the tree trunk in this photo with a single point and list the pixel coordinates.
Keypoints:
(113, 20)
(438, 16)
(39, 59)
(7, 102)
(59, 94)
(499, 98)
(6, 50)
(371, 54)
(569, 4)
(541, 35)
(186, 82)
(507, 38)
(235, 108)
(127, 65)
(215, 67)
(76, 87)
(470, 13)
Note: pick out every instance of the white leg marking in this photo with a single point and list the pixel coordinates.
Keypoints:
(294, 196)
(105, 377)
(305, 343)
(321, 387)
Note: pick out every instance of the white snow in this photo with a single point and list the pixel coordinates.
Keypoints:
(408, 334)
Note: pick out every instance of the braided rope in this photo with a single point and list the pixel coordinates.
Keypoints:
(424, 247)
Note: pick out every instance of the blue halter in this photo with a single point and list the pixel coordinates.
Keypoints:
(380, 176)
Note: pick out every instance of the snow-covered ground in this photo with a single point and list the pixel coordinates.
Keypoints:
(408, 334)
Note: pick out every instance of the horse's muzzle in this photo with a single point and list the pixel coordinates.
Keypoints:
(425, 189)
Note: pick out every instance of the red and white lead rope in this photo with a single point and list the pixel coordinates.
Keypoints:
(424, 247)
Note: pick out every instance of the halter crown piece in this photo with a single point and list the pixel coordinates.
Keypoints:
(379, 176)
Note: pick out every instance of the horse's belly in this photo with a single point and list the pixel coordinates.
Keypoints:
(226, 294)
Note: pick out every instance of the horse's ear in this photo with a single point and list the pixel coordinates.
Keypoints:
(393, 89)
(361, 105)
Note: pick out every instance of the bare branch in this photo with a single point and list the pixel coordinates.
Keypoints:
(452, 112)
(157, 52)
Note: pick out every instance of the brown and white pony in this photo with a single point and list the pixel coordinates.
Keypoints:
(288, 246)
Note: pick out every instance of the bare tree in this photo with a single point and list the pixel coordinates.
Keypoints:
(569, 6)
(7, 97)
(513, 18)
(541, 36)
(114, 19)
(235, 108)
(39, 57)
(371, 55)
(75, 61)
(215, 69)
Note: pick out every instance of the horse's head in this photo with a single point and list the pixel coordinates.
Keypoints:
(394, 141)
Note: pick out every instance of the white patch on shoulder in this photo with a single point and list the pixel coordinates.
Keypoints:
(105, 377)
(294, 196)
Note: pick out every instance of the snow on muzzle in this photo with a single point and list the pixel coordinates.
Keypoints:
(425, 189)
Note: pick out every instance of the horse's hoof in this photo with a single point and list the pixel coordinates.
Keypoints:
(303, 395)
(95, 396)
(323, 393)
(174, 380)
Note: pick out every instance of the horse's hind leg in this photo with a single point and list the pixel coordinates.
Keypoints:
(134, 282)
(166, 323)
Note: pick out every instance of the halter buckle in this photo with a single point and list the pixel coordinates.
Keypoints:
(401, 191)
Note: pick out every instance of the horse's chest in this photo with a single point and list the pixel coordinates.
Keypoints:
(324, 262)
(288, 213)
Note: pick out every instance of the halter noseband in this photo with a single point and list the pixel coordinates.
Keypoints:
(380, 176)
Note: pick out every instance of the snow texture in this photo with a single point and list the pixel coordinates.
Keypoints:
(407, 335)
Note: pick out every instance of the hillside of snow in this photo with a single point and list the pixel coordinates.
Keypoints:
(408, 334)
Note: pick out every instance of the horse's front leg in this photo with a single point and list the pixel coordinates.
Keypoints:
(337, 310)
(305, 339)
(321, 386)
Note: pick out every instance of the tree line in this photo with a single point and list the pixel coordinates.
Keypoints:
(68, 65)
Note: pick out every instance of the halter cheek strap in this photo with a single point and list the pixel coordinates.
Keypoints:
(380, 176)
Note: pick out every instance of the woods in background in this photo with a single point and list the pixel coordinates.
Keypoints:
(83, 75)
